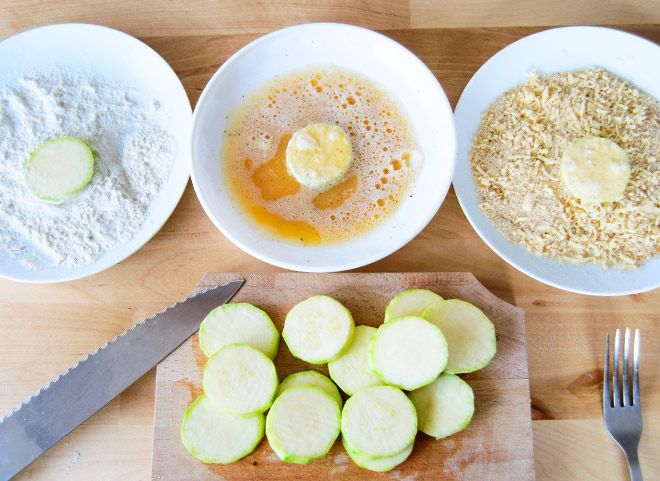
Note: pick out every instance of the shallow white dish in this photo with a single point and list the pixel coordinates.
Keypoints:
(388, 64)
(560, 49)
(120, 59)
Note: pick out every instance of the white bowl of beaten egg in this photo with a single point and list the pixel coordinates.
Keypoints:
(326, 86)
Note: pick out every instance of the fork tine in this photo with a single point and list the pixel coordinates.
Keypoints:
(625, 367)
(607, 400)
(636, 369)
(615, 370)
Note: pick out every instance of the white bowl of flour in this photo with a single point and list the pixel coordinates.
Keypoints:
(121, 98)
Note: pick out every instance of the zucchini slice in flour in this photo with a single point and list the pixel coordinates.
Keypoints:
(217, 437)
(470, 334)
(318, 330)
(240, 380)
(408, 352)
(303, 424)
(378, 422)
(60, 168)
(238, 322)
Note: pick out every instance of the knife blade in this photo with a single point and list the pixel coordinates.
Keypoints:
(63, 404)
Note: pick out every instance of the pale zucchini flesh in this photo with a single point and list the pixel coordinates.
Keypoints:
(240, 380)
(217, 437)
(60, 168)
(311, 378)
(470, 334)
(303, 424)
(318, 330)
(379, 422)
(351, 371)
(444, 407)
(408, 352)
(238, 323)
(380, 465)
(411, 302)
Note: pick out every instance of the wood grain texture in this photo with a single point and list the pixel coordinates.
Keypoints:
(510, 13)
(44, 329)
(498, 440)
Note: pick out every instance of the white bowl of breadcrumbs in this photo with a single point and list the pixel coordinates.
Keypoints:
(514, 120)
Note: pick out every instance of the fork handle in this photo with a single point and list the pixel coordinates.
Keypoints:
(633, 464)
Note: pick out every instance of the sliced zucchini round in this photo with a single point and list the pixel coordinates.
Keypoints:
(303, 424)
(379, 422)
(311, 378)
(444, 407)
(470, 334)
(238, 323)
(411, 302)
(408, 352)
(60, 168)
(240, 379)
(318, 330)
(351, 371)
(217, 437)
(379, 465)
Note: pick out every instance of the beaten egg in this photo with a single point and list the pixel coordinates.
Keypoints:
(357, 196)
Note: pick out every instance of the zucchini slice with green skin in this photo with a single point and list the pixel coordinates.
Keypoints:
(217, 437)
(351, 371)
(411, 302)
(303, 424)
(444, 407)
(318, 330)
(238, 323)
(311, 378)
(379, 422)
(379, 465)
(408, 352)
(240, 380)
(59, 168)
(470, 334)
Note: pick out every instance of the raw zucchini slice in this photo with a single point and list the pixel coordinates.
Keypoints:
(408, 352)
(380, 465)
(217, 437)
(311, 378)
(470, 334)
(60, 168)
(240, 379)
(379, 422)
(411, 302)
(303, 424)
(443, 407)
(351, 371)
(238, 323)
(318, 330)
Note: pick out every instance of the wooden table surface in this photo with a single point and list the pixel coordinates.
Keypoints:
(44, 329)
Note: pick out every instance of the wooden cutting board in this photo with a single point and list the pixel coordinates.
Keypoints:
(496, 445)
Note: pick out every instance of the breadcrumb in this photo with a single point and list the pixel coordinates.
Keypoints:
(515, 164)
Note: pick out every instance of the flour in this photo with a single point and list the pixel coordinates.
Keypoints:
(133, 159)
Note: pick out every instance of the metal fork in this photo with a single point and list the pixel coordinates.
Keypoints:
(621, 408)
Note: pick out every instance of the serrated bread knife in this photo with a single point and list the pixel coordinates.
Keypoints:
(63, 404)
